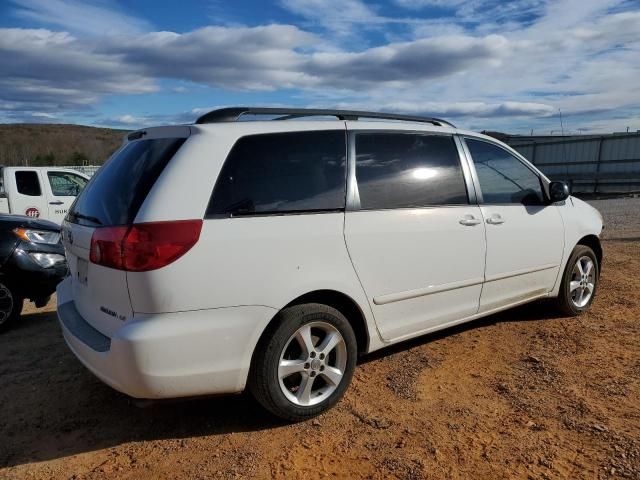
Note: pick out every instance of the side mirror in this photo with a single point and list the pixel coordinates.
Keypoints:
(558, 191)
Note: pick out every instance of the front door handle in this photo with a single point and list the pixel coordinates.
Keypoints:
(495, 219)
(469, 220)
(56, 203)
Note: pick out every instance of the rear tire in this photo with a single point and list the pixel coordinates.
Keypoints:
(579, 282)
(10, 305)
(304, 363)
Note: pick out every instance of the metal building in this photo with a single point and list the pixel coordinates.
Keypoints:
(590, 163)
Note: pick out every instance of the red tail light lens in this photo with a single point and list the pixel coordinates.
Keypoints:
(144, 246)
(106, 246)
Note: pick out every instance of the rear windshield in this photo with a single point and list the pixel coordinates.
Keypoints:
(116, 192)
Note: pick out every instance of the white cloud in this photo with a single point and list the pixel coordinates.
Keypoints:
(43, 115)
(256, 58)
(585, 63)
(418, 4)
(453, 110)
(481, 16)
(41, 67)
(91, 17)
(272, 57)
(406, 63)
(131, 120)
(582, 62)
(345, 18)
(334, 15)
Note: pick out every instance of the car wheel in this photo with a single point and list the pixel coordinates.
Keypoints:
(579, 282)
(10, 306)
(303, 365)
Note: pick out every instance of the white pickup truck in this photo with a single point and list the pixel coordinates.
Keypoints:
(40, 192)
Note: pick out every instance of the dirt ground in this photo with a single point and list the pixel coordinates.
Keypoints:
(522, 394)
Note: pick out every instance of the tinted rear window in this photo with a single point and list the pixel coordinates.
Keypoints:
(282, 173)
(116, 192)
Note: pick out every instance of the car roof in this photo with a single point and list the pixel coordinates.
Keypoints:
(234, 114)
(240, 121)
(259, 126)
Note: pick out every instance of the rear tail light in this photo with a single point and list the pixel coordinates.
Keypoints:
(144, 246)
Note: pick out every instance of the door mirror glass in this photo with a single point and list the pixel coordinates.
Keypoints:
(558, 191)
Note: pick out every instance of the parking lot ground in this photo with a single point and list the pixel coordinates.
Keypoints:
(522, 394)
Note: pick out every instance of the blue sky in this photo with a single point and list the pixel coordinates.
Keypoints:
(499, 65)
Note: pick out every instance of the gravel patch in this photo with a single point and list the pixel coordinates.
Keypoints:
(621, 218)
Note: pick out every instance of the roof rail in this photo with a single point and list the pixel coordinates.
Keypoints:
(233, 114)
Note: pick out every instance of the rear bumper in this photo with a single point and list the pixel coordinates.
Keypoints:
(171, 354)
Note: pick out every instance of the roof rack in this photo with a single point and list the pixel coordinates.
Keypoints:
(233, 114)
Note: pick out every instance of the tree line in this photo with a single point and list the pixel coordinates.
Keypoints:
(45, 144)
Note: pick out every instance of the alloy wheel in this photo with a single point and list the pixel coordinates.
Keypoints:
(312, 363)
(582, 284)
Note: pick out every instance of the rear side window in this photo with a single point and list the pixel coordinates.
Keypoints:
(28, 183)
(115, 193)
(503, 178)
(399, 170)
(282, 173)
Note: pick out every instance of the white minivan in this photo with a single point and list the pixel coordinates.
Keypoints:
(269, 254)
(39, 192)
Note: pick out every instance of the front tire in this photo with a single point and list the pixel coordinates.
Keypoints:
(579, 281)
(10, 306)
(303, 365)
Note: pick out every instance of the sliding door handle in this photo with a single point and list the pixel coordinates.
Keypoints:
(469, 221)
(495, 219)
(56, 203)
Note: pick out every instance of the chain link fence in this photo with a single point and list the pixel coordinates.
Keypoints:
(88, 170)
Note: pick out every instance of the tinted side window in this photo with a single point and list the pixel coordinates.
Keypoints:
(282, 172)
(28, 183)
(396, 170)
(503, 178)
(115, 193)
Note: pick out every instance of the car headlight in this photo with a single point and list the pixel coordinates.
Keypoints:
(47, 260)
(37, 236)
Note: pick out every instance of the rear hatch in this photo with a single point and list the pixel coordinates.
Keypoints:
(112, 198)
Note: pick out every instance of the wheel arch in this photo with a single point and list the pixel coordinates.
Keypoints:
(593, 242)
(338, 300)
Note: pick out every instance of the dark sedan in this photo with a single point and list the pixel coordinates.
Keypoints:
(32, 263)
